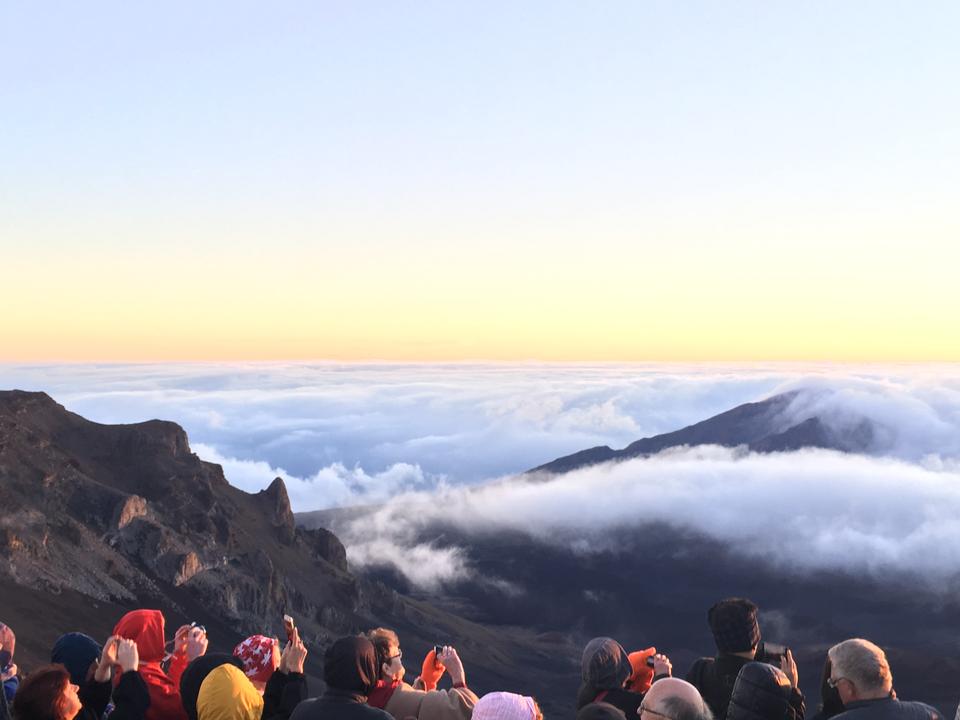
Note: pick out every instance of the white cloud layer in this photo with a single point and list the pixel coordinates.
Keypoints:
(803, 511)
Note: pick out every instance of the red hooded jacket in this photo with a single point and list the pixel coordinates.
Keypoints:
(145, 627)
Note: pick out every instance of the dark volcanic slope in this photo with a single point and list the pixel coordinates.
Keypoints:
(98, 519)
(761, 426)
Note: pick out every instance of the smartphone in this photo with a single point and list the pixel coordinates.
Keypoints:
(650, 661)
(5, 658)
(289, 626)
(772, 653)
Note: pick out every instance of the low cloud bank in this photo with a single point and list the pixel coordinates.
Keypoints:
(802, 511)
(330, 486)
(344, 434)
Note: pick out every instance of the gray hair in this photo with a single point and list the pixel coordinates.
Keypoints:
(679, 708)
(862, 663)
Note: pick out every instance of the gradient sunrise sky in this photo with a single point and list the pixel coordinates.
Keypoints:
(446, 181)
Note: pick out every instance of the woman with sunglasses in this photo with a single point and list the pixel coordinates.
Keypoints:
(422, 700)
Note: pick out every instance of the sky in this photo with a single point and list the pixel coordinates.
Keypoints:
(499, 181)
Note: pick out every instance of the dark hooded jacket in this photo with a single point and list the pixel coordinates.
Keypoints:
(604, 668)
(284, 691)
(146, 627)
(131, 699)
(350, 672)
(761, 692)
(715, 679)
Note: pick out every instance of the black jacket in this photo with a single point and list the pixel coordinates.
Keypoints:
(130, 699)
(622, 699)
(715, 678)
(339, 705)
(888, 708)
(761, 692)
(283, 693)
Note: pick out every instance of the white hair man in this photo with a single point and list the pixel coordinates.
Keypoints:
(673, 699)
(861, 675)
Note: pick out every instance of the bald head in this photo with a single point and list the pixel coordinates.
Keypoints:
(675, 699)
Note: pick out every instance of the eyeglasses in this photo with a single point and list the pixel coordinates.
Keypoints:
(641, 710)
(833, 682)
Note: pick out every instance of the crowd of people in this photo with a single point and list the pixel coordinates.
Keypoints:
(137, 675)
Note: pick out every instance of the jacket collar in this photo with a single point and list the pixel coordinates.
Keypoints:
(344, 696)
(868, 703)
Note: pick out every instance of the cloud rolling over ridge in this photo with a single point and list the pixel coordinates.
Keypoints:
(803, 511)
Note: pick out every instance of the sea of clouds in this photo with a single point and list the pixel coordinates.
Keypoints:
(421, 440)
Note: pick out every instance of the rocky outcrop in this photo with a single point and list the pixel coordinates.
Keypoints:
(189, 567)
(326, 546)
(281, 514)
(132, 507)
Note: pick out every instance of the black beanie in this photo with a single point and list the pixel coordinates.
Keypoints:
(734, 625)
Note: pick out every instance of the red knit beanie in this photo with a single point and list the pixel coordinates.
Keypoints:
(256, 654)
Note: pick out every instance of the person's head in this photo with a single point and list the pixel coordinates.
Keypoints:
(673, 699)
(350, 665)
(145, 628)
(228, 694)
(47, 694)
(506, 706)
(260, 656)
(859, 671)
(197, 671)
(389, 655)
(733, 622)
(603, 666)
(78, 653)
(761, 692)
(830, 702)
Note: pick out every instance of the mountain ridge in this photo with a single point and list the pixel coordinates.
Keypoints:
(763, 426)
